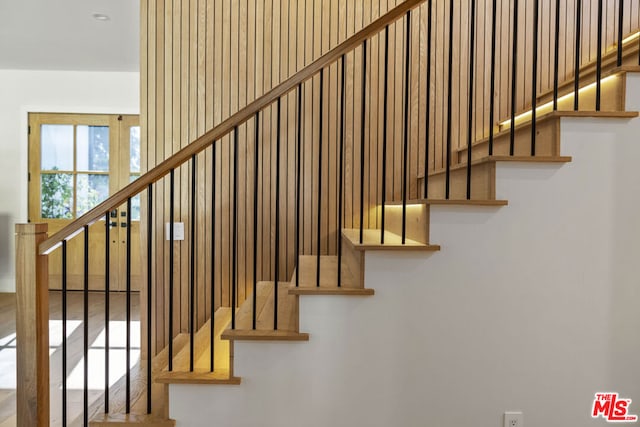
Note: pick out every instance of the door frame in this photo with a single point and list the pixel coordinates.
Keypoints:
(113, 122)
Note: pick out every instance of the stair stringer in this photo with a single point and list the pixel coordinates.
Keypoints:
(530, 307)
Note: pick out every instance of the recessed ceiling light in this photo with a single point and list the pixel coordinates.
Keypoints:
(100, 17)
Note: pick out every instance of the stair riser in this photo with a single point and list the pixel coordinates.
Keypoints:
(547, 131)
(417, 222)
(482, 183)
(547, 142)
(353, 261)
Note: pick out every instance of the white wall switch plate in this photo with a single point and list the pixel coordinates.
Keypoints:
(178, 231)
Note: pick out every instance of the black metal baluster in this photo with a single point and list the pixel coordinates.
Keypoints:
(556, 57)
(341, 165)
(85, 330)
(449, 99)
(298, 152)
(472, 52)
(128, 298)
(213, 256)
(514, 77)
(492, 90)
(405, 154)
(149, 290)
(277, 219)
(620, 32)
(192, 266)
(171, 261)
(234, 229)
(255, 218)
(320, 132)
(171, 258)
(576, 73)
(362, 128)
(534, 78)
(384, 131)
(64, 332)
(428, 112)
(107, 262)
(599, 58)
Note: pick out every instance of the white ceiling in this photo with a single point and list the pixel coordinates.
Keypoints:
(63, 35)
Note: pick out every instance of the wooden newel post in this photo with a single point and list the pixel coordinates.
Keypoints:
(32, 326)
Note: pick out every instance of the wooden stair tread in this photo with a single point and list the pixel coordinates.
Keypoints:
(198, 376)
(315, 290)
(264, 335)
(494, 158)
(371, 241)
(461, 202)
(131, 420)
(287, 316)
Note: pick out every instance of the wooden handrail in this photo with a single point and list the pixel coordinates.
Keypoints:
(225, 127)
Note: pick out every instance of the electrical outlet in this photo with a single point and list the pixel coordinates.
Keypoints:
(513, 419)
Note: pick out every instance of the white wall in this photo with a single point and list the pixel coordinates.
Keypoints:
(530, 307)
(22, 92)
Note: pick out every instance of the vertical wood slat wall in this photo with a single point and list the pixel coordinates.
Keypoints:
(201, 61)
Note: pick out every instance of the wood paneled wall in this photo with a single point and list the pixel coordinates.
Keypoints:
(204, 60)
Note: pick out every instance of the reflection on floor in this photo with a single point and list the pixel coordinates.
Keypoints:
(75, 357)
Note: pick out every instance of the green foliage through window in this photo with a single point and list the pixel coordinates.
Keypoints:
(57, 195)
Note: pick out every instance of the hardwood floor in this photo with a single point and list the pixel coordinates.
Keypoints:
(75, 360)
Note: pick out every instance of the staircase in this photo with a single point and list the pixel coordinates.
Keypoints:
(341, 338)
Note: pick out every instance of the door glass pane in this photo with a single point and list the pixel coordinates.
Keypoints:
(135, 202)
(93, 148)
(92, 189)
(134, 149)
(56, 147)
(57, 195)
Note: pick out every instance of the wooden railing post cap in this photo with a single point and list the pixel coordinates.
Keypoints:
(32, 228)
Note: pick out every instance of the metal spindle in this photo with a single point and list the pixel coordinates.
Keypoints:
(534, 77)
(405, 154)
(192, 266)
(234, 229)
(171, 257)
(556, 57)
(428, 112)
(255, 219)
(85, 330)
(514, 77)
(472, 52)
(213, 256)
(128, 298)
(362, 128)
(64, 332)
(107, 262)
(620, 32)
(341, 165)
(277, 219)
(576, 73)
(320, 131)
(298, 165)
(449, 99)
(384, 132)
(149, 289)
(599, 58)
(492, 90)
